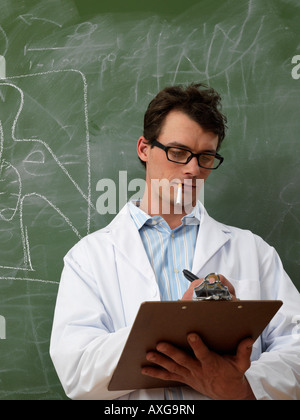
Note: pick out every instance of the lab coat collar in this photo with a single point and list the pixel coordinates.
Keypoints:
(211, 237)
(141, 218)
(126, 238)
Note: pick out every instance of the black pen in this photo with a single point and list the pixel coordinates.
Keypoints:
(189, 276)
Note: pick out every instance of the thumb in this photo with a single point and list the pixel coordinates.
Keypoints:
(243, 354)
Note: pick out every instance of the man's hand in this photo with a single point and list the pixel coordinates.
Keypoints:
(218, 377)
(189, 293)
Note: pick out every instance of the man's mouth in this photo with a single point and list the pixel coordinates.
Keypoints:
(189, 184)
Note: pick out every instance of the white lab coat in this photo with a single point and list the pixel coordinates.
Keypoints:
(107, 276)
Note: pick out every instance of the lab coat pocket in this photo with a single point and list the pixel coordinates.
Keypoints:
(246, 289)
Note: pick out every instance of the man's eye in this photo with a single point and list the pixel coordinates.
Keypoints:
(178, 154)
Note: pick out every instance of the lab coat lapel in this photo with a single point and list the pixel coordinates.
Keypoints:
(127, 240)
(211, 237)
(136, 277)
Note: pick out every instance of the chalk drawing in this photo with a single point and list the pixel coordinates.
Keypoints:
(4, 36)
(29, 19)
(31, 161)
(126, 60)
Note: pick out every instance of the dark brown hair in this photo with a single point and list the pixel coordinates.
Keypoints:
(198, 101)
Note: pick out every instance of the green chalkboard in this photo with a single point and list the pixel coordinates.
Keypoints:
(75, 79)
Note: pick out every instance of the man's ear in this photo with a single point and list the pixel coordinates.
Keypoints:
(143, 149)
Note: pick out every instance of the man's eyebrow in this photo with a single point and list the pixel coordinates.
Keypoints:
(183, 146)
(176, 144)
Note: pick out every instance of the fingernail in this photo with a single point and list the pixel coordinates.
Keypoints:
(193, 338)
(161, 347)
(150, 357)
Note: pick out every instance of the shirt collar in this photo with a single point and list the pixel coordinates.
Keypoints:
(141, 218)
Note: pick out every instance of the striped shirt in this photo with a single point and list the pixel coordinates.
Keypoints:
(169, 252)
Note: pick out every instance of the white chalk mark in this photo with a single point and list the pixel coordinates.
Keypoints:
(28, 18)
(84, 30)
(7, 166)
(1, 140)
(6, 40)
(27, 247)
(66, 219)
(20, 202)
(87, 47)
(184, 55)
(16, 268)
(240, 57)
(87, 137)
(158, 75)
(29, 279)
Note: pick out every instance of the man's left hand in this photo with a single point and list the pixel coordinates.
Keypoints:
(218, 377)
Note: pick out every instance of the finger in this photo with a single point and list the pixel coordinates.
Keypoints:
(189, 294)
(169, 365)
(201, 351)
(228, 285)
(180, 357)
(243, 354)
(160, 374)
(196, 283)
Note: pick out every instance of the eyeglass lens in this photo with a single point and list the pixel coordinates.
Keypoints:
(182, 156)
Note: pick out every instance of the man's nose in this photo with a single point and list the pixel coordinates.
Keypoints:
(193, 168)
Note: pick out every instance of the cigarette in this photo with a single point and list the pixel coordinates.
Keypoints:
(179, 194)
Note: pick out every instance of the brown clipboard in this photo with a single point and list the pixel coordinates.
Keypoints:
(221, 325)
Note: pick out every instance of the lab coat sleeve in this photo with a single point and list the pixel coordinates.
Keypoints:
(275, 375)
(85, 347)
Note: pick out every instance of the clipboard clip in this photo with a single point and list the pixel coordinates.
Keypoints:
(211, 290)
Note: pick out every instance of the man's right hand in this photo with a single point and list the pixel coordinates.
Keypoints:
(189, 293)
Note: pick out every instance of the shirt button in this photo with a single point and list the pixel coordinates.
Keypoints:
(172, 235)
(176, 271)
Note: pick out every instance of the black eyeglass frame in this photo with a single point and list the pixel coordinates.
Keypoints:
(197, 155)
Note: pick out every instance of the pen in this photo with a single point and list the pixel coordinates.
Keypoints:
(189, 276)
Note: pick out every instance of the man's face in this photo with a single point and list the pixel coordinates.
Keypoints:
(178, 130)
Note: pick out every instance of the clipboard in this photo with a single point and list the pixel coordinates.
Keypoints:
(221, 325)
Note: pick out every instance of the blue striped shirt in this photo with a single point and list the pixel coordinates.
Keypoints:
(169, 252)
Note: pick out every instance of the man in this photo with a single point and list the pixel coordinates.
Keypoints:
(140, 257)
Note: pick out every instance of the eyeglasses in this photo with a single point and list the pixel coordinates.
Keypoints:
(183, 156)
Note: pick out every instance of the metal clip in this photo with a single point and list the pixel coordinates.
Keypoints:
(211, 291)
